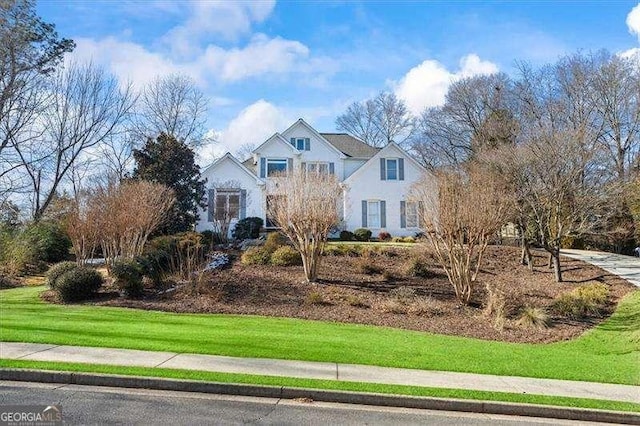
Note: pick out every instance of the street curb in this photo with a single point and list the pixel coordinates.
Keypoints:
(428, 403)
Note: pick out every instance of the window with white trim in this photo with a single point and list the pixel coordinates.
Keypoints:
(392, 168)
(227, 204)
(276, 166)
(411, 214)
(373, 214)
(300, 144)
(319, 167)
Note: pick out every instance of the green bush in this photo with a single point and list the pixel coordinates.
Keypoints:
(342, 250)
(286, 256)
(274, 241)
(362, 234)
(347, 236)
(256, 256)
(127, 276)
(80, 283)
(51, 241)
(583, 301)
(246, 228)
(57, 270)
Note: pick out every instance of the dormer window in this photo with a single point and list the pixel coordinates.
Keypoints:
(301, 144)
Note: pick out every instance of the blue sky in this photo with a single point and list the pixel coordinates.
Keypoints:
(263, 64)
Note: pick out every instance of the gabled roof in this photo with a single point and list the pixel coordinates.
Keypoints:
(318, 135)
(380, 154)
(350, 146)
(277, 137)
(250, 164)
(229, 156)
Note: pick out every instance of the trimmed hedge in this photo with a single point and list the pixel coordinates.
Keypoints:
(286, 256)
(127, 276)
(78, 284)
(362, 234)
(57, 270)
(246, 228)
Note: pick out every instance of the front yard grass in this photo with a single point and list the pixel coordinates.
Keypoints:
(326, 384)
(608, 353)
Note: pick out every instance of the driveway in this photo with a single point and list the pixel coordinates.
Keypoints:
(627, 267)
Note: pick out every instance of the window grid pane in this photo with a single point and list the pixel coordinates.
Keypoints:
(373, 214)
(276, 167)
(392, 169)
(411, 214)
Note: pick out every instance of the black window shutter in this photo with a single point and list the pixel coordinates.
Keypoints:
(383, 169)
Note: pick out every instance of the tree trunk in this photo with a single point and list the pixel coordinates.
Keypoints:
(525, 255)
(557, 271)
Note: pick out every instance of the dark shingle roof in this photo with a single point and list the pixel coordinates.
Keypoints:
(350, 146)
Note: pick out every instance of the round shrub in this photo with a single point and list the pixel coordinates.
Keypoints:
(347, 236)
(57, 270)
(275, 240)
(78, 284)
(286, 256)
(246, 228)
(384, 236)
(362, 234)
(256, 256)
(127, 276)
(408, 240)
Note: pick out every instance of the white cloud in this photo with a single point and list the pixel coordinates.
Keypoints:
(426, 84)
(632, 53)
(227, 19)
(263, 55)
(633, 21)
(128, 61)
(253, 125)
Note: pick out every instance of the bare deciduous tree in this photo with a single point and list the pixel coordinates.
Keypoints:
(462, 211)
(85, 108)
(477, 114)
(306, 209)
(378, 121)
(117, 217)
(175, 106)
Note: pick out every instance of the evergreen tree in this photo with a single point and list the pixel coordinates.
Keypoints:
(171, 162)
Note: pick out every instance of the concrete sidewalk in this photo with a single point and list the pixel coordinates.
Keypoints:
(627, 267)
(319, 370)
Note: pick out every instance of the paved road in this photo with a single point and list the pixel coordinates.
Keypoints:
(627, 267)
(92, 405)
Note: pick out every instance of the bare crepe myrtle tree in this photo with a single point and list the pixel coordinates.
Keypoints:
(119, 218)
(463, 210)
(306, 208)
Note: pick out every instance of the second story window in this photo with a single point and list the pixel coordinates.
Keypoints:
(301, 144)
(320, 168)
(392, 169)
(276, 167)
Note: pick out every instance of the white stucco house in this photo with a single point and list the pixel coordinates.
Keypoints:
(376, 181)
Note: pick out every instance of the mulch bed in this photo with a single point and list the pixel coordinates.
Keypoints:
(345, 294)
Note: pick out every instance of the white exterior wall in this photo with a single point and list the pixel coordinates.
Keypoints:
(367, 185)
(319, 149)
(351, 165)
(223, 173)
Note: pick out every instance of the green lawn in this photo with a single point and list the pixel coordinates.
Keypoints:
(608, 353)
(326, 384)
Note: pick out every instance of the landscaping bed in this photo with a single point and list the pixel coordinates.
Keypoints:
(379, 289)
